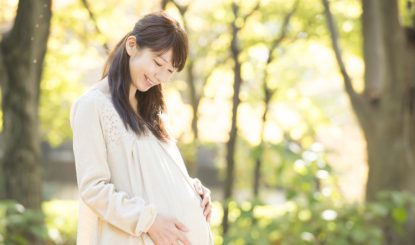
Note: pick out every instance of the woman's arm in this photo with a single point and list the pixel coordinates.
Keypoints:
(129, 213)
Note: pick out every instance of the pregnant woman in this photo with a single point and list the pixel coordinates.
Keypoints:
(133, 184)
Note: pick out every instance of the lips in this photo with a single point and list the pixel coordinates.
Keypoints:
(149, 81)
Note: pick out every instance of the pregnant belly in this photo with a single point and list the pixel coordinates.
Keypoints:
(195, 220)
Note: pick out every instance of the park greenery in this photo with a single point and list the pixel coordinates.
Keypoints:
(296, 115)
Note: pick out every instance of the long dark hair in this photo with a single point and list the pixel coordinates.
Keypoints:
(159, 32)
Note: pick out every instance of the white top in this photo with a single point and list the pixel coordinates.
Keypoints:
(124, 180)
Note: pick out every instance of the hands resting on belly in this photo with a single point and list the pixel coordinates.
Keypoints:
(166, 230)
(206, 199)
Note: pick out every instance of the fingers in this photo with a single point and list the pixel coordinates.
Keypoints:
(206, 204)
(167, 230)
(206, 198)
(207, 210)
(205, 201)
(181, 237)
(180, 226)
(198, 186)
(208, 216)
(177, 242)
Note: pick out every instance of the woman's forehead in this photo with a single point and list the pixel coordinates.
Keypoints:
(165, 54)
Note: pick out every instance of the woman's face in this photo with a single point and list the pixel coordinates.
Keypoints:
(148, 68)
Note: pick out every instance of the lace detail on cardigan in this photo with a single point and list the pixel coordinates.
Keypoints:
(112, 125)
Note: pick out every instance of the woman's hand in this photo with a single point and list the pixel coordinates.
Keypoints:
(206, 199)
(167, 231)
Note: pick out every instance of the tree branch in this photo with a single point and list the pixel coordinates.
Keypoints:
(336, 48)
(268, 92)
(258, 4)
(95, 22)
(3, 72)
(277, 41)
(182, 8)
(358, 103)
(164, 4)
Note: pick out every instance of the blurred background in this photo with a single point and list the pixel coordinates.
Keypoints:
(299, 115)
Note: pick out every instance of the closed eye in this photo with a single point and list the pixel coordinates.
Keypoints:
(158, 64)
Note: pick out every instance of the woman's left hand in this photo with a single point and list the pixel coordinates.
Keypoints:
(206, 200)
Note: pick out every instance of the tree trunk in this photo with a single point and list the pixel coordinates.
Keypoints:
(386, 109)
(23, 49)
(258, 160)
(268, 93)
(193, 95)
(390, 135)
(194, 99)
(237, 81)
(230, 145)
(3, 78)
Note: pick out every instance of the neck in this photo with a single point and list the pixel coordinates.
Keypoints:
(131, 96)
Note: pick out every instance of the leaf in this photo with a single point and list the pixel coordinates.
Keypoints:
(400, 215)
(379, 209)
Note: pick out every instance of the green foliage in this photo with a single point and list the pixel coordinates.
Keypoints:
(56, 225)
(61, 220)
(314, 211)
(252, 222)
(19, 225)
(188, 151)
(321, 222)
(60, 83)
(394, 208)
(305, 174)
(244, 230)
(407, 12)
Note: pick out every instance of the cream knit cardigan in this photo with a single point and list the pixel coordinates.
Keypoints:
(124, 180)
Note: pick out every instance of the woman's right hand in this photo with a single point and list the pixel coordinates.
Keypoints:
(167, 231)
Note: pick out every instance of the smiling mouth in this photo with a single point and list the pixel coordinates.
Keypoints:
(149, 81)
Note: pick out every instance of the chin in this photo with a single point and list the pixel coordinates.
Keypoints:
(144, 89)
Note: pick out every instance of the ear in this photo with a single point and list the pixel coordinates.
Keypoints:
(131, 46)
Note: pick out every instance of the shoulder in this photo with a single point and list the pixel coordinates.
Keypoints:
(87, 105)
(95, 109)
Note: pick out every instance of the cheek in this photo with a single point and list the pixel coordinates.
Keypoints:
(135, 67)
(152, 68)
(167, 76)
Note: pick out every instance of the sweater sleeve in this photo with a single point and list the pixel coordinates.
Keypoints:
(128, 213)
